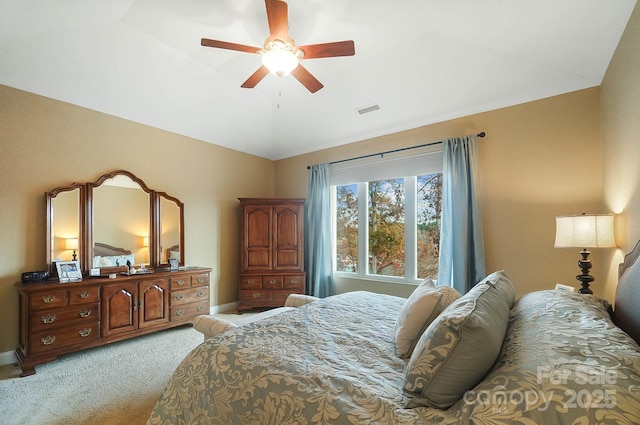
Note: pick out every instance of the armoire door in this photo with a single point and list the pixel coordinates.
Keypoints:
(288, 226)
(258, 238)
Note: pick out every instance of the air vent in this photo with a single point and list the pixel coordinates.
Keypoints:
(367, 109)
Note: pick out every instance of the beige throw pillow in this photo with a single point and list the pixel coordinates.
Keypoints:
(425, 304)
(460, 346)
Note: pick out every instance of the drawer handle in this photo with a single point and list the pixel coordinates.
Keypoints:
(48, 340)
(294, 280)
(199, 308)
(49, 318)
(200, 279)
(85, 313)
(85, 294)
(180, 312)
(200, 293)
(251, 281)
(48, 299)
(256, 295)
(179, 297)
(84, 332)
(272, 281)
(180, 282)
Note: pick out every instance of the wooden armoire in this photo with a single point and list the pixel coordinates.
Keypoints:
(272, 263)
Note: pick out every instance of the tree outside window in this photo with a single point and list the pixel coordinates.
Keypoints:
(390, 218)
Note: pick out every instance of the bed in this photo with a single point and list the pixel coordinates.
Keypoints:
(550, 357)
(105, 255)
(173, 252)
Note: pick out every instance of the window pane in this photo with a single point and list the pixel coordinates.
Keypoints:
(386, 227)
(347, 228)
(428, 221)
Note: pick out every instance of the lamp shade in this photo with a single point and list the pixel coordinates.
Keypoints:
(71, 243)
(585, 231)
(280, 57)
(280, 62)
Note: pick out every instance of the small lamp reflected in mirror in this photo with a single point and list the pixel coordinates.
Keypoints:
(72, 243)
(144, 241)
(585, 231)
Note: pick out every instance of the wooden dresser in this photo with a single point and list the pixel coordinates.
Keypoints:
(272, 264)
(60, 318)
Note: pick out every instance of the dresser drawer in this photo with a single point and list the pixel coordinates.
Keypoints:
(200, 280)
(60, 317)
(251, 282)
(272, 282)
(62, 337)
(48, 299)
(179, 282)
(256, 296)
(187, 311)
(189, 295)
(84, 295)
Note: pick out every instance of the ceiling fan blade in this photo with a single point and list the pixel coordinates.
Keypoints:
(229, 46)
(309, 81)
(328, 50)
(278, 17)
(255, 78)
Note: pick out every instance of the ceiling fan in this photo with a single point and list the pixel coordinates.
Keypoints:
(280, 54)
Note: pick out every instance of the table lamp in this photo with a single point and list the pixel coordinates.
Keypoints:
(72, 243)
(585, 231)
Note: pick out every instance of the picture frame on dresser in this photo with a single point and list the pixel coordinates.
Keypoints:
(69, 271)
(173, 264)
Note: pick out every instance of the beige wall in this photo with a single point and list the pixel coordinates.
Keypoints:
(46, 144)
(621, 142)
(539, 160)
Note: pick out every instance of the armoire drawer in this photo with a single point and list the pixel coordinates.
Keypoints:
(251, 282)
(256, 296)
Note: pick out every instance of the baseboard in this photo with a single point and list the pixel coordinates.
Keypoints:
(224, 307)
(8, 357)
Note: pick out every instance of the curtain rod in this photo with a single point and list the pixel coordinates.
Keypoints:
(481, 134)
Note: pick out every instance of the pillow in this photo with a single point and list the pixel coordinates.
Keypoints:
(460, 346)
(425, 304)
(113, 260)
(449, 295)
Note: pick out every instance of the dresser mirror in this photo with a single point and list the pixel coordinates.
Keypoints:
(121, 207)
(112, 221)
(64, 230)
(171, 222)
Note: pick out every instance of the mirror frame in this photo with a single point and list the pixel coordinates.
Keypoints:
(85, 225)
(156, 241)
(82, 228)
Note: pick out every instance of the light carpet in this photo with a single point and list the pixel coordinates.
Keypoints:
(117, 384)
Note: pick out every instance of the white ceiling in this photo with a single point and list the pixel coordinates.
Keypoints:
(421, 61)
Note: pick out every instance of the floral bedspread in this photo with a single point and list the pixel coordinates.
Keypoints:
(334, 362)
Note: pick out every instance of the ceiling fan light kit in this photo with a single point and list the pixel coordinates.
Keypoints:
(280, 55)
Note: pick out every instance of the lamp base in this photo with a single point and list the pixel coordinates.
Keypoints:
(585, 278)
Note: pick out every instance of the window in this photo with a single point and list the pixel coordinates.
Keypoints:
(389, 226)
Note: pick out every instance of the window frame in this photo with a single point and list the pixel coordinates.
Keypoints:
(374, 171)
